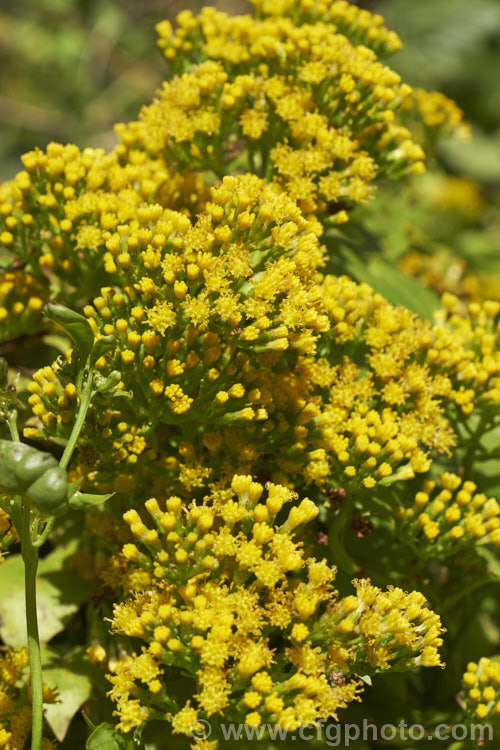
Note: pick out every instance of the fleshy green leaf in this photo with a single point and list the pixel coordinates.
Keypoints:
(73, 486)
(76, 326)
(82, 500)
(101, 346)
(394, 285)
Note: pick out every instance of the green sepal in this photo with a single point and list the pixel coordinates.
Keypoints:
(75, 325)
(83, 500)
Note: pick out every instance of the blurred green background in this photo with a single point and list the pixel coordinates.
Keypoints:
(454, 46)
(69, 69)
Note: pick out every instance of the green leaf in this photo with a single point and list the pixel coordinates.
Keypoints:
(76, 326)
(73, 676)
(73, 486)
(82, 500)
(60, 592)
(104, 737)
(394, 285)
(479, 158)
(101, 346)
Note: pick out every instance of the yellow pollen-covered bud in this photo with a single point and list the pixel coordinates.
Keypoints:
(299, 632)
(345, 626)
(162, 633)
(181, 556)
(174, 644)
(174, 504)
(180, 289)
(247, 490)
(262, 682)
(130, 552)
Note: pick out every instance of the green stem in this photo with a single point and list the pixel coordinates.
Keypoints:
(336, 534)
(474, 445)
(30, 557)
(77, 427)
(12, 424)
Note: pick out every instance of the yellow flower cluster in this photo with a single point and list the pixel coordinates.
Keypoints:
(215, 329)
(358, 24)
(15, 711)
(401, 384)
(213, 585)
(208, 318)
(21, 300)
(226, 355)
(313, 110)
(436, 111)
(447, 517)
(54, 213)
(386, 627)
(481, 684)
(465, 344)
(380, 412)
(8, 534)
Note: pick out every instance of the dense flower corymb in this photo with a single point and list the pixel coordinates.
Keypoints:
(220, 582)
